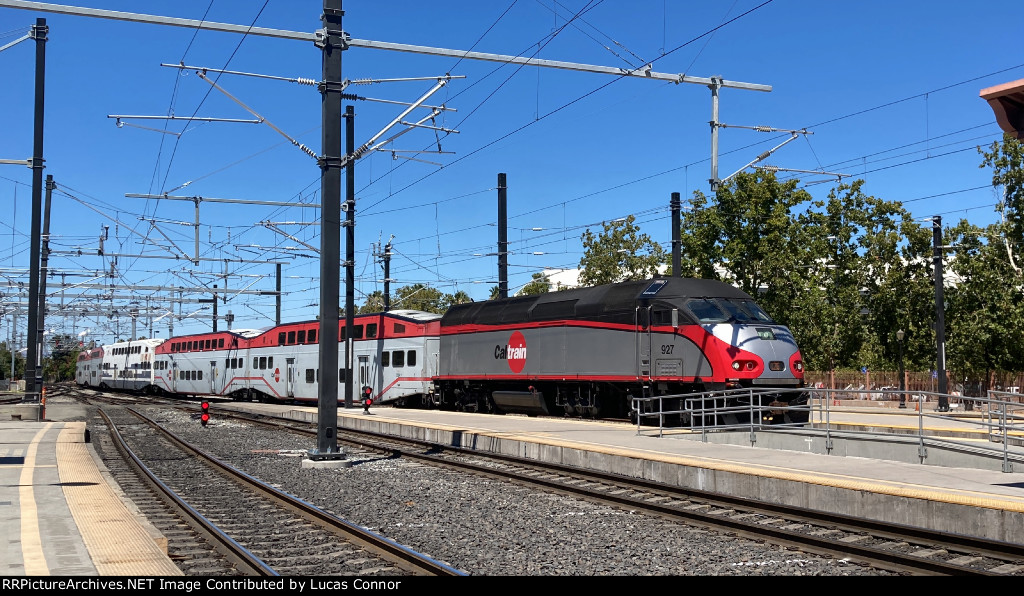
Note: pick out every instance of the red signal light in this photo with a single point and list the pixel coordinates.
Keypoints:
(367, 400)
(205, 417)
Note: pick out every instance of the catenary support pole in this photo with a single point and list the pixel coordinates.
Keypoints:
(715, 85)
(33, 361)
(675, 205)
(502, 237)
(387, 276)
(940, 315)
(350, 252)
(332, 44)
(43, 268)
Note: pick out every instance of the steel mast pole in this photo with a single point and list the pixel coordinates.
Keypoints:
(502, 236)
(333, 44)
(675, 204)
(43, 269)
(350, 251)
(940, 315)
(33, 361)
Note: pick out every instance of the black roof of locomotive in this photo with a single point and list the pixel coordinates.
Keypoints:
(609, 303)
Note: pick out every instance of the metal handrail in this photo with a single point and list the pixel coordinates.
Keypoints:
(999, 415)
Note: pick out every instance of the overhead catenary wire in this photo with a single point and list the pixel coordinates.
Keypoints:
(562, 202)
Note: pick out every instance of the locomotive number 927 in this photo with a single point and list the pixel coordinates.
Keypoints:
(590, 351)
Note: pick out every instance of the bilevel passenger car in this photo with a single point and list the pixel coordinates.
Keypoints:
(394, 354)
(589, 351)
(126, 366)
(88, 366)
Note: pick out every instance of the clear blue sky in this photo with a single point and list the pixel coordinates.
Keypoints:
(888, 89)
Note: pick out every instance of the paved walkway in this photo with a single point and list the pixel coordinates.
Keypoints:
(59, 515)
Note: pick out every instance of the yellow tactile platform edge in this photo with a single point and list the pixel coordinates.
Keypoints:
(117, 541)
(953, 496)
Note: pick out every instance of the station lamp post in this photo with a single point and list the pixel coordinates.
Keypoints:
(903, 395)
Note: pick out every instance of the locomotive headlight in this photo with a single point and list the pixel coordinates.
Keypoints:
(798, 366)
(736, 365)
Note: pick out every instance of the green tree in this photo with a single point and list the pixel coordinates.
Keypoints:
(896, 284)
(60, 366)
(540, 284)
(419, 297)
(749, 226)
(827, 276)
(459, 297)
(844, 272)
(985, 316)
(374, 303)
(619, 253)
(495, 293)
(5, 363)
(1007, 162)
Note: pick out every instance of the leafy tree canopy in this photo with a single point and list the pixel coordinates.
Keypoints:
(619, 253)
(540, 284)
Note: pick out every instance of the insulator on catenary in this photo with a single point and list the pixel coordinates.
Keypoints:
(305, 81)
(307, 151)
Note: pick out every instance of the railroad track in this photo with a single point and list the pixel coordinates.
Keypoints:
(904, 549)
(231, 524)
(887, 547)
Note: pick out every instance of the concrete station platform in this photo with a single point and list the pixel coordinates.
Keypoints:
(61, 515)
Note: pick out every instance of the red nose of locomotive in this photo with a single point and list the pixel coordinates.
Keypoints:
(759, 355)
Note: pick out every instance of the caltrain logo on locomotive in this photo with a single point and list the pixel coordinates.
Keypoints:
(514, 352)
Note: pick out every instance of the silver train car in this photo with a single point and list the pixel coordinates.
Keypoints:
(394, 355)
(123, 366)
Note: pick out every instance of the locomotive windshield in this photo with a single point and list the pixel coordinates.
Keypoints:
(720, 310)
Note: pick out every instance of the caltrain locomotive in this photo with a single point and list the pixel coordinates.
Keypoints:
(582, 352)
